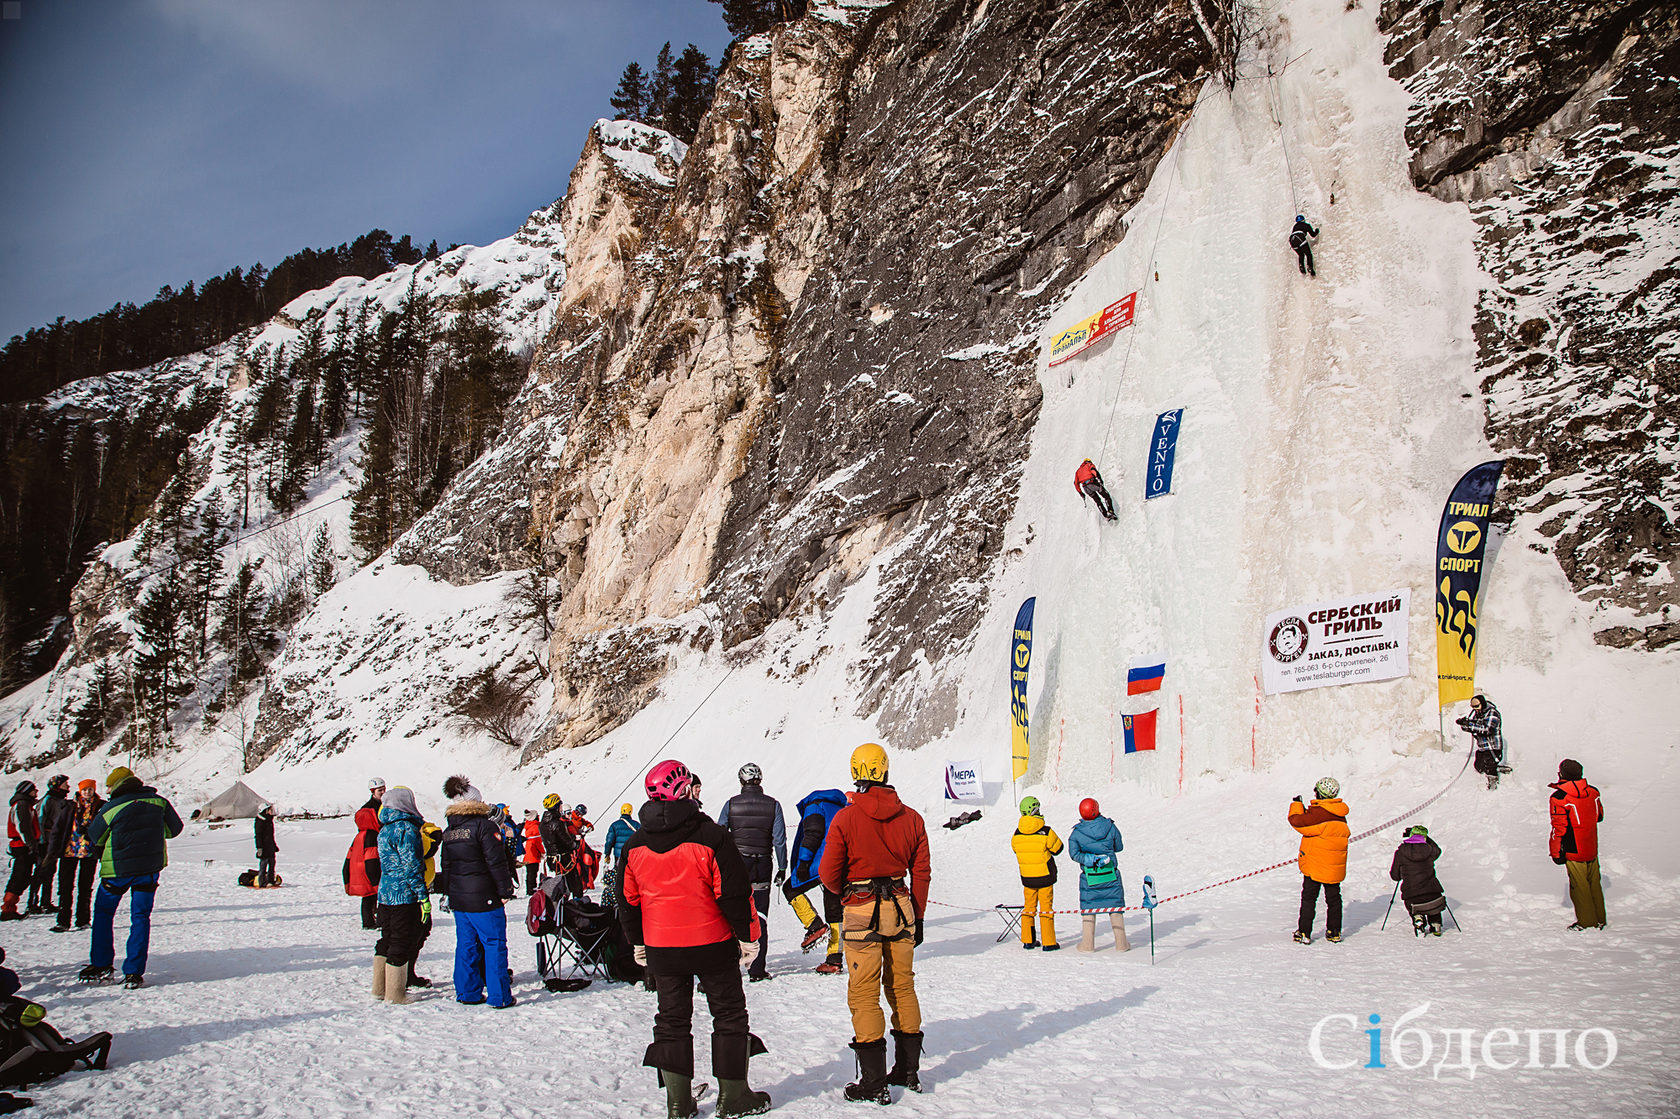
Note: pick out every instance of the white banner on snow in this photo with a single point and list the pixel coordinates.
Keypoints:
(962, 781)
(1344, 641)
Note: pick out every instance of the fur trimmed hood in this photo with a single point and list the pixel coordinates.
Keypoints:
(468, 808)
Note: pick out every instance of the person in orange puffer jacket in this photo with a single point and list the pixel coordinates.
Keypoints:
(1324, 845)
(533, 854)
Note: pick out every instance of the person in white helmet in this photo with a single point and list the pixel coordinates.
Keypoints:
(755, 821)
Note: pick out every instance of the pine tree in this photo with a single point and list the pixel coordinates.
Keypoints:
(243, 632)
(749, 17)
(322, 570)
(373, 508)
(300, 452)
(692, 82)
(659, 90)
(629, 101)
(159, 676)
(204, 571)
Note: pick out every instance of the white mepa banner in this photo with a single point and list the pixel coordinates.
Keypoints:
(962, 782)
(1344, 641)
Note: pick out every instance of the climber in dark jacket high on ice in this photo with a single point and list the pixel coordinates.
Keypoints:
(1300, 239)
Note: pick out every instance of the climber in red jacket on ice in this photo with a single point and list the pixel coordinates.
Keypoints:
(1089, 483)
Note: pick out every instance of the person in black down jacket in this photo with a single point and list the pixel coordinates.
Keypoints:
(56, 816)
(558, 842)
(267, 849)
(1414, 868)
(755, 821)
(478, 879)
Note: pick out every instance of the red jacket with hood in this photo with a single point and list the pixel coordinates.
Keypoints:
(876, 836)
(361, 862)
(684, 892)
(1576, 811)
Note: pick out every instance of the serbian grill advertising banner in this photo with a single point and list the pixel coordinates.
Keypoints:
(1459, 552)
(1020, 655)
(1157, 480)
(1087, 332)
(1343, 641)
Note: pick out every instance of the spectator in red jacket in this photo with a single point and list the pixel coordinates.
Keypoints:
(1576, 812)
(361, 863)
(874, 844)
(1088, 482)
(686, 904)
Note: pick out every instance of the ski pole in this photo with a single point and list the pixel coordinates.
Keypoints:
(1149, 904)
(1390, 908)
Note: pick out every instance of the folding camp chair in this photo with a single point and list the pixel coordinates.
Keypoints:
(1011, 915)
(585, 931)
(545, 920)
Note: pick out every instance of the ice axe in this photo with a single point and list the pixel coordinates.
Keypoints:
(1149, 904)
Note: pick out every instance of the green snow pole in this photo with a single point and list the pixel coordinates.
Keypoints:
(1149, 904)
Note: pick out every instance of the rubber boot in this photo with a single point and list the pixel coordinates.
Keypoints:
(396, 983)
(736, 1098)
(907, 1060)
(379, 977)
(1088, 933)
(679, 1095)
(9, 910)
(1121, 944)
(871, 1085)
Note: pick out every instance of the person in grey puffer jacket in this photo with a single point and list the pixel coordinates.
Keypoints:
(1093, 844)
(404, 903)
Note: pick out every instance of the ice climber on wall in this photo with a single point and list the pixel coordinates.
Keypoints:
(1087, 481)
(874, 845)
(686, 906)
(1324, 847)
(1300, 239)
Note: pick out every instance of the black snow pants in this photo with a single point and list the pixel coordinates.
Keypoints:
(1309, 906)
(758, 873)
(1304, 258)
(673, 1024)
(75, 884)
(401, 933)
(1097, 492)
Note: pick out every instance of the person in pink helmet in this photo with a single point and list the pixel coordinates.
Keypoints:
(685, 901)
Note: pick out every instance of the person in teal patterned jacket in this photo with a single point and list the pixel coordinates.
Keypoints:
(131, 833)
(404, 903)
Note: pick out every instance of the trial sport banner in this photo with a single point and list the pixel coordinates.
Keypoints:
(1087, 332)
(1020, 655)
(1343, 641)
(1459, 551)
(1163, 445)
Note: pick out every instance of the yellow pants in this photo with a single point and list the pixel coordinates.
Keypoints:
(877, 959)
(1040, 902)
(1586, 892)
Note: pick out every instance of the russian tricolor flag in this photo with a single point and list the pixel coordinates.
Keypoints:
(1145, 675)
(1140, 731)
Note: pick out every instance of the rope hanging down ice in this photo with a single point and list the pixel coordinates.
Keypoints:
(1384, 826)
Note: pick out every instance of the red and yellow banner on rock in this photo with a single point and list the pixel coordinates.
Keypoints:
(1087, 332)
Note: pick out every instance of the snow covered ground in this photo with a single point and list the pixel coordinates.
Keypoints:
(258, 1003)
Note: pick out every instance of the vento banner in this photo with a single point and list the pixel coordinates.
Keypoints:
(1163, 445)
(1020, 656)
(1343, 641)
(1088, 331)
(1459, 552)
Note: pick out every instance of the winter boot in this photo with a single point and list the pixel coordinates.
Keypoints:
(1030, 944)
(96, 974)
(735, 1098)
(871, 1085)
(831, 965)
(1420, 925)
(1303, 938)
(1088, 934)
(907, 1060)
(379, 977)
(1118, 920)
(815, 933)
(396, 983)
(1333, 937)
(679, 1095)
(9, 911)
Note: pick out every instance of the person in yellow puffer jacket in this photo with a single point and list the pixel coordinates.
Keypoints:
(1323, 862)
(1035, 842)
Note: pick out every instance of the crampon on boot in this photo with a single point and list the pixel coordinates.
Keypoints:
(871, 1085)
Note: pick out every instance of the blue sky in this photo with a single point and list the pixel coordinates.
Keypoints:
(158, 141)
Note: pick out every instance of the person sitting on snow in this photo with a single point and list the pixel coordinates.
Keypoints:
(1035, 843)
(1300, 239)
(1088, 482)
(1414, 868)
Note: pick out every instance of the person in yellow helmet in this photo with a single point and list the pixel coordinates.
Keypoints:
(874, 844)
(1034, 843)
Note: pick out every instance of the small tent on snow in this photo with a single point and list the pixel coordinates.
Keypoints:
(240, 802)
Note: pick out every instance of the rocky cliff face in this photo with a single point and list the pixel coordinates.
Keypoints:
(822, 357)
(1559, 125)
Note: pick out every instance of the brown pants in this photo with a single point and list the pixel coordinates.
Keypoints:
(1586, 893)
(1040, 902)
(879, 958)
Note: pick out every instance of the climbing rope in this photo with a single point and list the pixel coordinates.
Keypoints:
(1238, 877)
